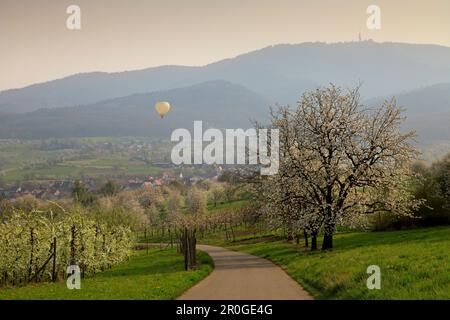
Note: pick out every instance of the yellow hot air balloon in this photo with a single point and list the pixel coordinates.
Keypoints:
(162, 108)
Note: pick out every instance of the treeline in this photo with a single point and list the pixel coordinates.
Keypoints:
(432, 184)
(39, 239)
(435, 189)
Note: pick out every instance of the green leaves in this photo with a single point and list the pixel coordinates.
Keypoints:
(26, 243)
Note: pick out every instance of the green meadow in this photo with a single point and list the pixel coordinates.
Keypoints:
(156, 275)
(415, 264)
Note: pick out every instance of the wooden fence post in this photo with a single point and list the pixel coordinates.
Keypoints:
(54, 260)
(186, 249)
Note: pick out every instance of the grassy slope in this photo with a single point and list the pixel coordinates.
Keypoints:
(415, 264)
(157, 276)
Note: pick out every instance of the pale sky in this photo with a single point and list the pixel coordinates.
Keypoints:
(118, 35)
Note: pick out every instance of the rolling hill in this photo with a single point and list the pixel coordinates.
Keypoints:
(219, 104)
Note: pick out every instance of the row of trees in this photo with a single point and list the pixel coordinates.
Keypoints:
(338, 160)
(433, 185)
(176, 213)
(39, 244)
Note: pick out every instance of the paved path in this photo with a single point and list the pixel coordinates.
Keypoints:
(241, 276)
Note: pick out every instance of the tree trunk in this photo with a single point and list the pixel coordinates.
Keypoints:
(313, 241)
(186, 250)
(306, 238)
(327, 241)
(232, 232)
(72, 245)
(54, 260)
(226, 232)
(30, 264)
(328, 236)
(328, 230)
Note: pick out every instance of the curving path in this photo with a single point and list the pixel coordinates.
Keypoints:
(242, 276)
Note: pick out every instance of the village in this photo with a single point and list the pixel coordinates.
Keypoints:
(60, 189)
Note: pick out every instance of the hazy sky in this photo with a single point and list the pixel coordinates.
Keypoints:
(118, 35)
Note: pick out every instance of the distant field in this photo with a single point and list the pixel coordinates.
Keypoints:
(72, 171)
(415, 264)
(23, 160)
(158, 275)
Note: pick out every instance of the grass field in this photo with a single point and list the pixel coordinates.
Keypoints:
(415, 264)
(158, 275)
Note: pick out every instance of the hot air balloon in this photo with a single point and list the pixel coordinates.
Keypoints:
(162, 108)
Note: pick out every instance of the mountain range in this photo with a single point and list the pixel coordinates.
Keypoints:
(230, 92)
